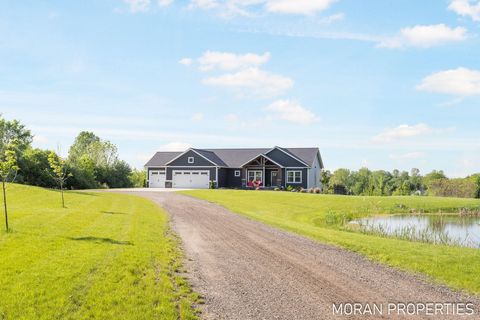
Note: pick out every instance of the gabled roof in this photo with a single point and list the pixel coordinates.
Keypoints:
(210, 155)
(234, 158)
(159, 159)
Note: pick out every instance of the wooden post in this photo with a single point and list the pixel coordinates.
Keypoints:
(263, 174)
(5, 204)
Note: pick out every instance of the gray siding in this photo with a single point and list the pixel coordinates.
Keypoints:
(232, 181)
(199, 161)
(304, 182)
(284, 159)
(222, 178)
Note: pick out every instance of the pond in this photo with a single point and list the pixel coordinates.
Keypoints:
(439, 229)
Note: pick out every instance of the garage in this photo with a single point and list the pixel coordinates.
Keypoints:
(194, 179)
(156, 179)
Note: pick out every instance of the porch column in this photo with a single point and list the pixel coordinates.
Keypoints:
(263, 174)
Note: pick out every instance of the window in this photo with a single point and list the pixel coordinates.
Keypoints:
(237, 173)
(254, 175)
(191, 160)
(294, 176)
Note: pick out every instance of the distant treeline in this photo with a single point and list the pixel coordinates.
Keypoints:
(91, 162)
(401, 183)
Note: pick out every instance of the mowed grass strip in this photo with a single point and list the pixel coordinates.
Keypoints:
(308, 215)
(106, 256)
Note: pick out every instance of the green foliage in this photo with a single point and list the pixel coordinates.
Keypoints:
(35, 169)
(462, 188)
(138, 178)
(95, 163)
(14, 134)
(8, 164)
(61, 175)
(108, 256)
(321, 217)
(8, 172)
(383, 183)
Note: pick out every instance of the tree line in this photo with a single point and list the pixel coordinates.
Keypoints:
(365, 182)
(91, 163)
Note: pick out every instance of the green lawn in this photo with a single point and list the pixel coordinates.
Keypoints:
(106, 256)
(320, 217)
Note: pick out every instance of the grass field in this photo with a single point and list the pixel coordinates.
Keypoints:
(320, 217)
(106, 256)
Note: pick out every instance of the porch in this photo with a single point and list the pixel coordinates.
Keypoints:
(262, 172)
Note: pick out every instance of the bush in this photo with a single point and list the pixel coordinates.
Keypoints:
(138, 178)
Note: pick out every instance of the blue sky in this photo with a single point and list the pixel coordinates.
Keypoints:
(383, 84)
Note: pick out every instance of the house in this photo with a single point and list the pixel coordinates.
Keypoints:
(235, 168)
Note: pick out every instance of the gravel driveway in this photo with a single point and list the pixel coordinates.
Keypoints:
(247, 270)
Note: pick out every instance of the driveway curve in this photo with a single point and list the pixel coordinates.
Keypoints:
(247, 270)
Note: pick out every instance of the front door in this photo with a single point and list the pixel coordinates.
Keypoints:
(274, 178)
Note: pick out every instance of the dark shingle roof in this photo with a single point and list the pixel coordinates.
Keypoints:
(210, 155)
(161, 158)
(234, 158)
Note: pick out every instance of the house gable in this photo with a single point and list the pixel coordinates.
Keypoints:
(198, 160)
(284, 158)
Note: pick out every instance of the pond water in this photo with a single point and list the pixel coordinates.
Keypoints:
(458, 230)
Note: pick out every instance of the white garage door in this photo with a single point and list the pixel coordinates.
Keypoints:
(156, 179)
(191, 179)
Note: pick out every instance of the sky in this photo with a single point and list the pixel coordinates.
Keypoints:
(381, 84)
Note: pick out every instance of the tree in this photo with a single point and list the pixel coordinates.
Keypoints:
(60, 173)
(95, 163)
(341, 181)
(14, 135)
(138, 178)
(8, 170)
(35, 169)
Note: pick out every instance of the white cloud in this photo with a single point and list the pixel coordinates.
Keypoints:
(292, 111)
(186, 61)
(403, 131)
(408, 156)
(138, 5)
(203, 4)
(466, 8)
(460, 81)
(254, 81)
(212, 60)
(197, 117)
(175, 146)
(305, 7)
(164, 3)
(228, 8)
(425, 36)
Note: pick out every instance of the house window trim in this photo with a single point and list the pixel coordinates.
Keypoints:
(294, 173)
(237, 173)
(191, 160)
(261, 174)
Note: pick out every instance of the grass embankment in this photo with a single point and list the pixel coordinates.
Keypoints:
(320, 217)
(107, 256)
